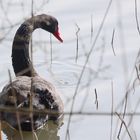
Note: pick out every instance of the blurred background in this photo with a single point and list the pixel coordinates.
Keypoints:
(96, 69)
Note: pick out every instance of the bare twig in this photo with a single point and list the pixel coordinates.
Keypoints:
(129, 88)
(136, 16)
(32, 14)
(68, 135)
(31, 90)
(96, 99)
(135, 135)
(31, 108)
(0, 131)
(125, 106)
(137, 72)
(77, 41)
(112, 42)
(15, 103)
(123, 122)
(124, 101)
(51, 49)
(91, 30)
(112, 109)
(50, 112)
(135, 80)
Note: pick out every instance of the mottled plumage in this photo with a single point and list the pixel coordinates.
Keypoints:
(28, 89)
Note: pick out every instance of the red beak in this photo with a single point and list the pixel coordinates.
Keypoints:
(57, 35)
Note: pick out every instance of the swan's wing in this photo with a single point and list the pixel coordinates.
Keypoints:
(48, 96)
(44, 97)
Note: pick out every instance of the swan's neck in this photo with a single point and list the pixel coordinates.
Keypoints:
(20, 51)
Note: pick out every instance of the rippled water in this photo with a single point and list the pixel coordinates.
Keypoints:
(105, 73)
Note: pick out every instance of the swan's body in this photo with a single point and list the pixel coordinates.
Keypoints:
(29, 89)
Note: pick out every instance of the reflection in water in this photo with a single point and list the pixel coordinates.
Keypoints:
(47, 132)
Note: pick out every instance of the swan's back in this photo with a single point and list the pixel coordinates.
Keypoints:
(44, 99)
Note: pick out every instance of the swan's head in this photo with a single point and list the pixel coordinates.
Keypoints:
(49, 24)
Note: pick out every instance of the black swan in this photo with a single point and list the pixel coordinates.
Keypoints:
(29, 89)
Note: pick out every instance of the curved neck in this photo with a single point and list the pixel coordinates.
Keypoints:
(20, 51)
